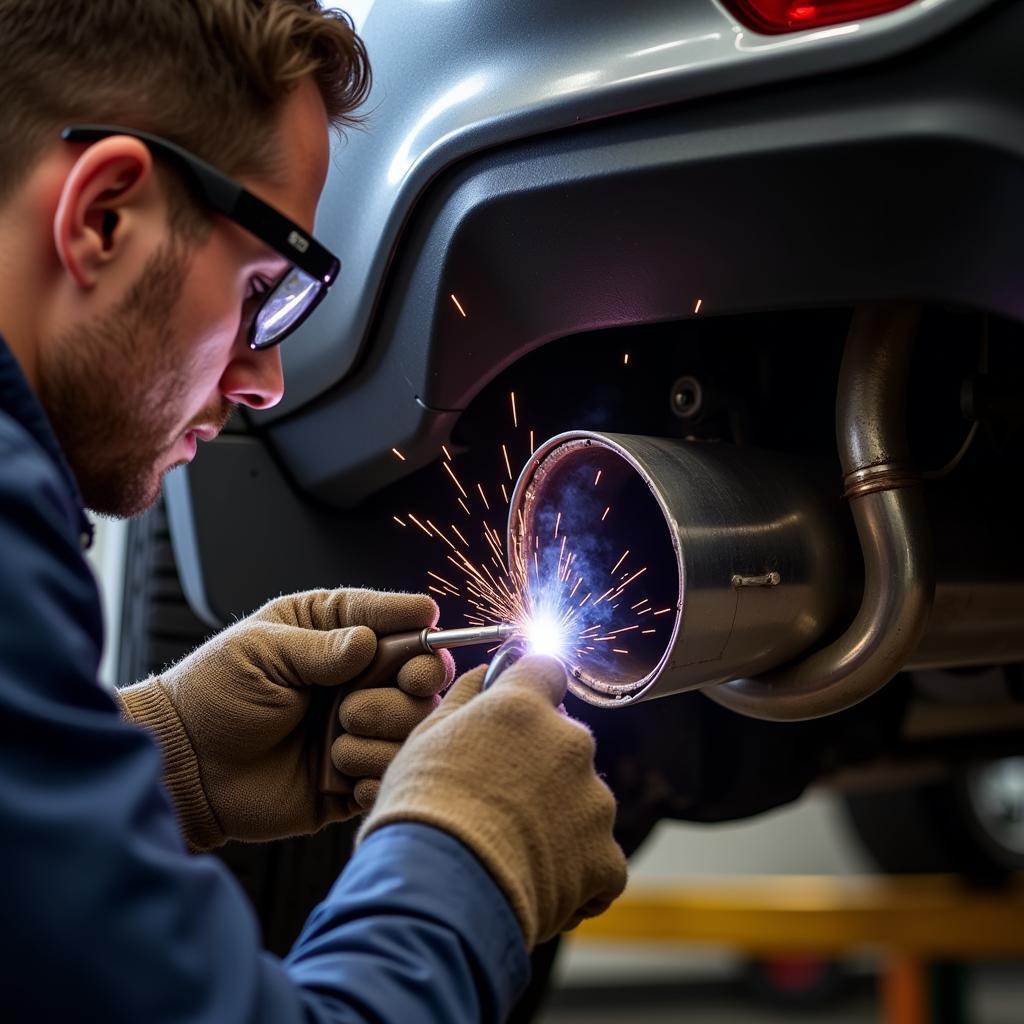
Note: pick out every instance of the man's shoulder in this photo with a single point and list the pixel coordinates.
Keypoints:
(29, 478)
(48, 597)
(39, 516)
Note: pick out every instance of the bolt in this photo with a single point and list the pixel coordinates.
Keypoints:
(687, 397)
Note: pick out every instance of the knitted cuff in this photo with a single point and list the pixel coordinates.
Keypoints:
(148, 705)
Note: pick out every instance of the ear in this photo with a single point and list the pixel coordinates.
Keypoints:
(107, 198)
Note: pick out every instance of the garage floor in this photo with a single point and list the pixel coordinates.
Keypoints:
(997, 997)
(597, 983)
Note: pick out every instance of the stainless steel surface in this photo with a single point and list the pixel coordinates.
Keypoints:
(505, 657)
(760, 554)
(757, 545)
(455, 77)
(977, 616)
(468, 636)
(974, 622)
(887, 503)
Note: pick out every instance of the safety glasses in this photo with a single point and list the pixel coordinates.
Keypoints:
(313, 268)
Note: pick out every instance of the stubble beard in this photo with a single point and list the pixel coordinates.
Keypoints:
(114, 390)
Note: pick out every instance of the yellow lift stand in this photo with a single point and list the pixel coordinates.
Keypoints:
(920, 925)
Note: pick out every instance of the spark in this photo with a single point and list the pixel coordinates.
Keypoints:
(696, 308)
(451, 472)
(635, 576)
(625, 359)
(458, 305)
(531, 584)
(399, 454)
(647, 632)
(441, 535)
(664, 611)
(420, 525)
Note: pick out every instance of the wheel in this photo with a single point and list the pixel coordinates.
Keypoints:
(971, 822)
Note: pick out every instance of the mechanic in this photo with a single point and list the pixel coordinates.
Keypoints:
(138, 307)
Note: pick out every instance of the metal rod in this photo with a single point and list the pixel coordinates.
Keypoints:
(438, 639)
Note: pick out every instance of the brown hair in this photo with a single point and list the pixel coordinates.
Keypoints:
(207, 74)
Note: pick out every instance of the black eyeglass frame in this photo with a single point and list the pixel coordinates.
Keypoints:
(238, 204)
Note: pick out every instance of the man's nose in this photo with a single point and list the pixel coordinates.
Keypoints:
(255, 379)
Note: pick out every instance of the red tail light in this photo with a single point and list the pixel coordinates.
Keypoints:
(774, 16)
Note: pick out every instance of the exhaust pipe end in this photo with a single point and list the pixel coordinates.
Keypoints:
(742, 552)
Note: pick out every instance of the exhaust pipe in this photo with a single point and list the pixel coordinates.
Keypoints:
(887, 501)
(750, 553)
(745, 557)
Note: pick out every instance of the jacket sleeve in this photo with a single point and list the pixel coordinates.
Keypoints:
(106, 916)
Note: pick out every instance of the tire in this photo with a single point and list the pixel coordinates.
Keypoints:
(970, 823)
(284, 880)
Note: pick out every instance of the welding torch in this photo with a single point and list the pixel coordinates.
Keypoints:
(393, 651)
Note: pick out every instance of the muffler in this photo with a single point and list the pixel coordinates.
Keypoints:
(744, 548)
(768, 600)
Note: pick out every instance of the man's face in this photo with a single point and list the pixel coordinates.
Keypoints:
(131, 391)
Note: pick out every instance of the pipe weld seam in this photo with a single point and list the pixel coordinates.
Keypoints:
(886, 477)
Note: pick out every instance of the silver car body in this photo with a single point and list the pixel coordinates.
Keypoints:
(457, 77)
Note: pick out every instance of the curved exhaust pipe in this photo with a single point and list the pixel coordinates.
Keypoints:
(887, 502)
(748, 550)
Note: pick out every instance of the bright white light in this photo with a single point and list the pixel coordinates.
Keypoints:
(544, 635)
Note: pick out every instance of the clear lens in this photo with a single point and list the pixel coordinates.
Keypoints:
(284, 307)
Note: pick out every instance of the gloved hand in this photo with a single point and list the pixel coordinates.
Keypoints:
(512, 778)
(243, 719)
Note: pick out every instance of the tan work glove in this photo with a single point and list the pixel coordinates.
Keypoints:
(512, 778)
(243, 719)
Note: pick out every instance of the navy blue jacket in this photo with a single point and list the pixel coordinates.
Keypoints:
(103, 914)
